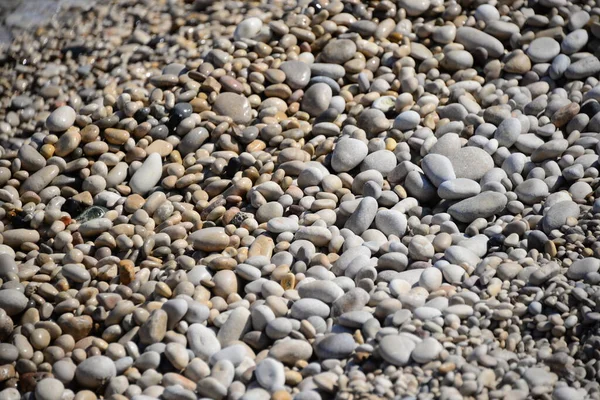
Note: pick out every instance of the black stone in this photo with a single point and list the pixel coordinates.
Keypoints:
(142, 114)
(232, 167)
(590, 108)
(73, 207)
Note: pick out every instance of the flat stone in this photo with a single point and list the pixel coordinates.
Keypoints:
(457, 189)
(270, 374)
(483, 205)
(543, 49)
(391, 222)
(155, 327)
(508, 132)
(557, 215)
(31, 159)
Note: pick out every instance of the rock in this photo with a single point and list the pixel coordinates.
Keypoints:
(574, 41)
(248, 28)
(209, 239)
(39, 180)
(364, 215)
(326, 291)
(270, 374)
(538, 377)
(579, 269)
(236, 325)
(316, 99)
(543, 49)
(420, 248)
(583, 68)
(297, 73)
(391, 222)
(305, 308)
(471, 163)
(8, 266)
(335, 346)
(147, 176)
(396, 349)
(557, 215)
(234, 106)
(155, 327)
(483, 205)
(290, 351)
(568, 393)
(414, 8)
(431, 279)
(532, 191)
(338, 51)
(202, 341)
(31, 159)
(49, 389)
(508, 132)
(458, 189)
(407, 120)
(427, 351)
(437, 168)
(95, 372)
(472, 38)
(12, 301)
(61, 119)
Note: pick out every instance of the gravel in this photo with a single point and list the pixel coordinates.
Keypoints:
(300, 200)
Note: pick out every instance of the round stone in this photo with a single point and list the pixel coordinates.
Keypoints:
(235, 106)
(61, 119)
(12, 301)
(338, 51)
(543, 49)
(396, 349)
(49, 389)
(95, 372)
(347, 154)
(316, 99)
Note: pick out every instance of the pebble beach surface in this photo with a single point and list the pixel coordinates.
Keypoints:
(307, 200)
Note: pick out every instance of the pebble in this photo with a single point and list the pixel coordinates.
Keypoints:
(396, 349)
(234, 106)
(473, 38)
(543, 49)
(148, 175)
(61, 119)
(347, 154)
(253, 201)
(317, 99)
(95, 372)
